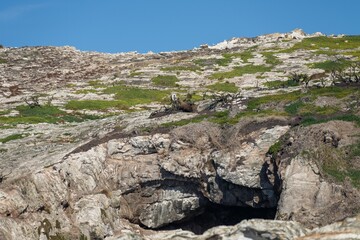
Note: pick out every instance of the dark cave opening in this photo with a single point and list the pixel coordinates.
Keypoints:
(216, 215)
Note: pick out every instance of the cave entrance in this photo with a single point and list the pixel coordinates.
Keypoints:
(216, 215)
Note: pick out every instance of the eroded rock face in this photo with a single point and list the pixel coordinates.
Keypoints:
(262, 229)
(92, 180)
(151, 180)
(163, 178)
(306, 195)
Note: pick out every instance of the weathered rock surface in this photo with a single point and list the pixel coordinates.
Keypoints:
(306, 196)
(130, 177)
(151, 180)
(264, 229)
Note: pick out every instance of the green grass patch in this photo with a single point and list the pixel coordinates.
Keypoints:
(333, 91)
(43, 114)
(327, 52)
(4, 112)
(96, 84)
(131, 96)
(271, 59)
(181, 68)
(2, 61)
(275, 148)
(98, 105)
(245, 56)
(340, 175)
(239, 71)
(220, 118)
(281, 84)
(11, 138)
(86, 91)
(309, 120)
(217, 117)
(165, 80)
(213, 61)
(354, 54)
(355, 150)
(330, 65)
(47, 110)
(135, 74)
(224, 87)
(255, 103)
(315, 43)
(310, 109)
(343, 166)
(294, 107)
(226, 60)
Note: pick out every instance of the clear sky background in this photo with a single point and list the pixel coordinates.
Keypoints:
(165, 25)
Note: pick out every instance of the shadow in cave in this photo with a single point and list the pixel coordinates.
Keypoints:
(216, 215)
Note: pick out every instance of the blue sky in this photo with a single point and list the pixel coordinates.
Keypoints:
(165, 25)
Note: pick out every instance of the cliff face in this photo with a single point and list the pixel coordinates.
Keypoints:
(93, 148)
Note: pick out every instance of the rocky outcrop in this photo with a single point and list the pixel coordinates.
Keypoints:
(262, 229)
(151, 180)
(120, 174)
(307, 196)
(164, 178)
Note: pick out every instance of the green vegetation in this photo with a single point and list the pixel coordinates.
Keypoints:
(11, 138)
(354, 54)
(308, 109)
(86, 91)
(328, 66)
(309, 120)
(217, 117)
(2, 61)
(131, 96)
(275, 148)
(99, 105)
(125, 97)
(316, 43)
(270, 58)
(340, 175)
(294, 107)
(224, 87)
(181, 68)
(134, 74)
(225, 60)
(165, 80)
(212, 61)
(43, 114)
(220, 118)
(245, 56)
(4, 112)
(281, 84)
(70, 85)
(239, 71)
(293, 104)
(47, 110)
(354, 150)
(255, 103)
(96, 84)
(340, 164)
(333, 91)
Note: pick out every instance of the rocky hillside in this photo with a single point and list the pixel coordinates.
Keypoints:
(252, 138)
